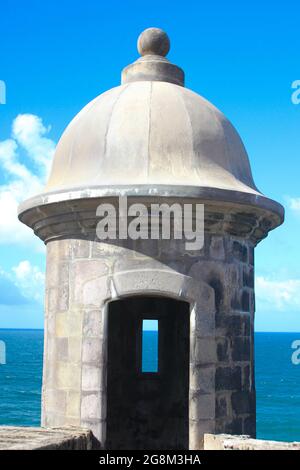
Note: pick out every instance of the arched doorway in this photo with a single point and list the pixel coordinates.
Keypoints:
(148, 410)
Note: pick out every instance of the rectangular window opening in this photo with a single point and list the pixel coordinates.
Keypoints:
(150, 345)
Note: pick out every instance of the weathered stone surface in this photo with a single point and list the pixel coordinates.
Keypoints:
(250, 421)
(202, 378)
(221, 406)
(245, 301)
(243, 442)
(223, 349)
(68, 376)
(241, 402)
(232, 426)
(55, 400)
(80, 249)
(214, 282)
(87, 281)
(93, 323)
(22, 438)
(241, 348)
(202, 406)
(203, 350)
(197, 432)
(92, 407)
(240, 251)
(62, 349)
(93, 351)
(228, 378)
(217, 250)
(248, 277)
(92, 379)
(234, 325)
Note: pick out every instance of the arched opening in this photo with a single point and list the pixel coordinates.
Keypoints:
(148, 375)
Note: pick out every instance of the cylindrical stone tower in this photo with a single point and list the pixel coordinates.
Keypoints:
(154, 141)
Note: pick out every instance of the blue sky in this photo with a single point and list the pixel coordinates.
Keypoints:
(242, 56)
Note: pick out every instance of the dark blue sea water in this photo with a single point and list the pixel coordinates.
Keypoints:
(277, 381)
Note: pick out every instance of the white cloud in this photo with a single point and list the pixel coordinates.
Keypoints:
(29, 132)
(22, 179)
(29, 280)
(294, 203)
(275, 294)
(22, 284)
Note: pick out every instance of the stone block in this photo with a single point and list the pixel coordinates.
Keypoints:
(202, 379)
(241, 402)
(203, 350)
(204, 321)
(149, 280)
(241, 348)
(80, 249)
(57, 273)
(68, 376)
(88, 282)
(201, 406)
(75, 346)
(62, 349)
(92, 323)
(234, 325)
(92, 407)
(93, 351)
(92, 379)
(61, 325)
(55, 400)
(228, 378)
(69, 324)
(94, 292)
(73, 404)
(58, 250)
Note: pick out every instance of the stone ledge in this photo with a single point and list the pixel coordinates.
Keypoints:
(30, 438)
(230, 442)
(72, 213)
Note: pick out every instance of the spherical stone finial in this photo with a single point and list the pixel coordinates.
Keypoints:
(153, 41)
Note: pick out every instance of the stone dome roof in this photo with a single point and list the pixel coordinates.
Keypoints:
(148, 133)
(150, 137)
(151, 130)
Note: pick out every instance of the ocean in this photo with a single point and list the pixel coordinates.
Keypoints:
(277, 381)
